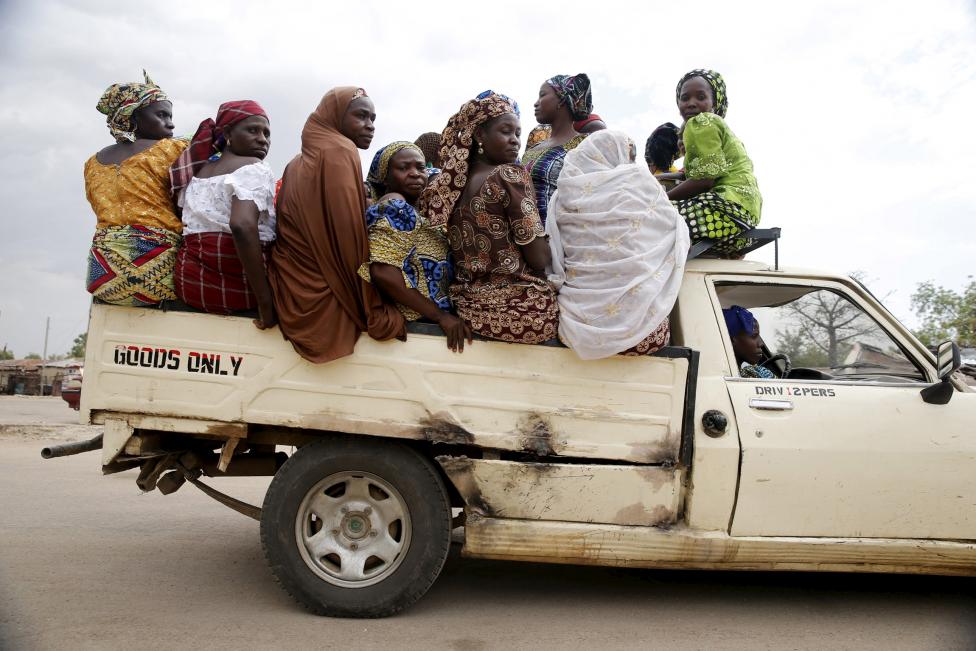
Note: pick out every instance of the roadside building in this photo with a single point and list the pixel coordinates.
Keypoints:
(34, 377)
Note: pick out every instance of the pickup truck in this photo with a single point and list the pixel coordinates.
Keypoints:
(859, 456)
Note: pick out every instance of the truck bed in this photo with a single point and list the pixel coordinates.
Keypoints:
(541, 400)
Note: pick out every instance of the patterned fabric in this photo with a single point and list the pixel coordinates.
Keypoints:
(209, 140)
(713, 152)
(544, 165)
(132, 265)
(429, 143)
(618, 249)
(757, 372)
(715, 82)
(209, 275)
(442, 193)
(539, 133)
(653, 342)
(738, 319)
(402, 237)
(120, 101)
(709, 216)
(575, 92)
(380, 166)
(136, 191)
(494, 290)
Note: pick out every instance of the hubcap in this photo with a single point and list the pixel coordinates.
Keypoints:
(353, 529)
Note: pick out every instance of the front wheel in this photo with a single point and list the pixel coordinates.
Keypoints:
(354, 527)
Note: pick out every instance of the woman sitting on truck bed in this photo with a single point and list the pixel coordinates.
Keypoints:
(720, 197)
(226, 191)
(562, 99)
(494, 229)
(127, 184)
(408, 258)
(618, 251)
(322, 302)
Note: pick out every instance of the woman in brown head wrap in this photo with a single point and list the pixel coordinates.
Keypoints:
(493, 225)
(322, 302)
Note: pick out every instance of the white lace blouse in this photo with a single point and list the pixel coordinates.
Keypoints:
(206, 203)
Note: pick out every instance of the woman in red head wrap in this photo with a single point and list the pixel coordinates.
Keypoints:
(226, 191)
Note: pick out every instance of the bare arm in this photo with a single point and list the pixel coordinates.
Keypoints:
(537, 254)
(691, 188)
(244, 228)
(389, 280)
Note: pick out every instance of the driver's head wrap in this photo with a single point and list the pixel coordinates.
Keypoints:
(739, 319)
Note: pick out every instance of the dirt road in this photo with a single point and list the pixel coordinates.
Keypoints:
(87, 562)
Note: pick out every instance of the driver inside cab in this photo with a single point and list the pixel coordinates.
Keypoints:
(746, 343)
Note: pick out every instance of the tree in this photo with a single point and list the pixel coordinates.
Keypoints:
(78, 349)
(6, 354)
(801, 353)
(945, 314)
(32, 356)
(826, 325)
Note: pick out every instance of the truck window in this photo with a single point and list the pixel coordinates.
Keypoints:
(823, 331)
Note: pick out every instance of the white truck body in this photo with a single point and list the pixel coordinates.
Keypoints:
(594, 462)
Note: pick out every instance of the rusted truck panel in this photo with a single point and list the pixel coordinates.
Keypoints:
(683, 548)
(541, 400)
(632, 495)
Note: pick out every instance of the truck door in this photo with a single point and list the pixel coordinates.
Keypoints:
(851, 450)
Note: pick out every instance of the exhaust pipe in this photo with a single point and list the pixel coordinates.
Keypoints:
(68, 449)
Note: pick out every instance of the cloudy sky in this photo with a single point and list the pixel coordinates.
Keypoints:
(855, 114)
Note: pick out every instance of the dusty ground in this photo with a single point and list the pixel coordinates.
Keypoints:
(87, 562)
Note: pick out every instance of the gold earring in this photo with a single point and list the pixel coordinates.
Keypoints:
(480, 150)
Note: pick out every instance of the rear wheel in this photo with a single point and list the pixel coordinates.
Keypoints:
(354, 527)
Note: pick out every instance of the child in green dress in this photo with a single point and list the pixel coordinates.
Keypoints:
(720, 197)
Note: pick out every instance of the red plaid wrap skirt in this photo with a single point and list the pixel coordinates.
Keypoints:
(209, 275)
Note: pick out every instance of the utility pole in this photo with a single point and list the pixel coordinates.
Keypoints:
(47, 330)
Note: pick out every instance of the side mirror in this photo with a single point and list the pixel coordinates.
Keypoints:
(947, 361)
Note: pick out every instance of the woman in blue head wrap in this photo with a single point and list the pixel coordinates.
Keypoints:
(746, 342)
(408, 258)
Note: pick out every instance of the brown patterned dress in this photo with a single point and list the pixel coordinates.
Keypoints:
(494, 289)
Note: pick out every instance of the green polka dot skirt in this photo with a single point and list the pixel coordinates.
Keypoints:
(707, 216)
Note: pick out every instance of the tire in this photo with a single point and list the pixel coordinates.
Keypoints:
(354, 527)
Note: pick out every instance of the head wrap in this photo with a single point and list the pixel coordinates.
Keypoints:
(574, 91)
(443, 191)
(662, 146)
(322, 303)
(715, 82)
(208, 140)
(592, 117)
(739, 319)
(381, 165)
(429, 143)
(120, 101)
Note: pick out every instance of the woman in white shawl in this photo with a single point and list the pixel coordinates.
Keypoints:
(618, 251)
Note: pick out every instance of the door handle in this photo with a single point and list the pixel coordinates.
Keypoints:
(771, 405)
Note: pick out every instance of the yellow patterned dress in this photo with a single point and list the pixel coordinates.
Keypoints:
(399, 235)
(133, 251)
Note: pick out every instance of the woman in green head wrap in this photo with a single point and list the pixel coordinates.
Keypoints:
(720, 197)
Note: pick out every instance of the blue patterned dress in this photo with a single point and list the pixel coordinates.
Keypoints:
(401, 236)
(544, 165)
